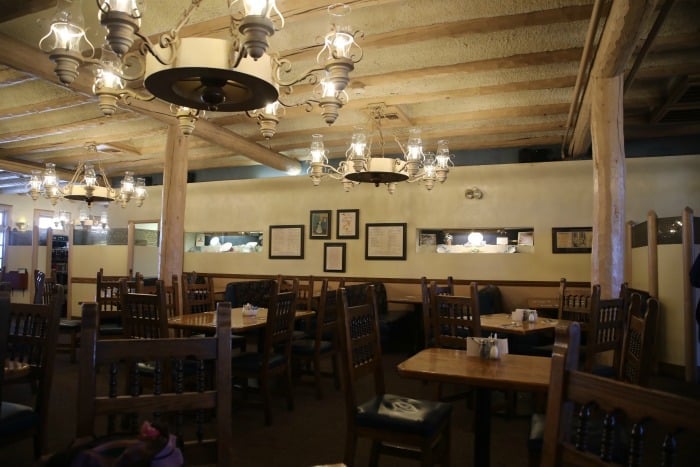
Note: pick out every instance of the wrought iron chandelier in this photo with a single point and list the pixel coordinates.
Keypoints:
(89, 184)
(196, 74)
(361, 166)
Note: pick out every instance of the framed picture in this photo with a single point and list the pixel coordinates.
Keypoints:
(572, 239)
(334, 257)
(526, 238)
(320, 224)
(348, 223)
(286, 242)
(385, 241)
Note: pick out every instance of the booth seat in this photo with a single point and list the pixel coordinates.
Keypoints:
(254, 292)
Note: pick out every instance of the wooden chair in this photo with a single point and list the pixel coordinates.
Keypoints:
(606, 326)
(103, 393)
(108, 305)
(28, 335)
(574, 303)
(274, 359)
(197, 297)
(581, 404)
(172, 298)
(145, 315)
(446, 289)
(638, 342)
(308, 353)
(396, 425)
(455, 317)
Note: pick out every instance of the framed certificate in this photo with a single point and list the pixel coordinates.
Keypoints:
(286, 242)
(348, 221)
(385, 241)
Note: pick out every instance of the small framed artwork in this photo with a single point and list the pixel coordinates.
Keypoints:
(286, 242)
(526, 238)
(334, 257)
(348, 221)
(572, 239)
(320, 224)
(385, 241)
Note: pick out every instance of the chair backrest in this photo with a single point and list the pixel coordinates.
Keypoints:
(107, 295)
(172, 298)
(280, 323)
(638, 342)
(581, 404)
(305, 294)
(361, 347)
(606, 327)
(198, 297)
(39, 284)
(425, 285)
(574, 303)
(145, 315)
(455, 317)
(31, 338)
(327, 314)
(105, 366)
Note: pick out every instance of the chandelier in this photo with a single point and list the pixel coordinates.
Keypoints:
(88, 184)
(361, 166)
(196, 74)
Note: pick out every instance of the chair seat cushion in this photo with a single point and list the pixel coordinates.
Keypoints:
(307, 346)
(398, 413)
(604, 371)
(250, 361)
(111, 329)
(15, 418)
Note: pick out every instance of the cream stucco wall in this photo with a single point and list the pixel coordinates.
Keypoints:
(542, 196)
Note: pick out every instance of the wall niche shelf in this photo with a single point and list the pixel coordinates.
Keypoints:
(224, 242)
(507, 240)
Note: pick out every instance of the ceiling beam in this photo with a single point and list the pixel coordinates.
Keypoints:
(11, 9)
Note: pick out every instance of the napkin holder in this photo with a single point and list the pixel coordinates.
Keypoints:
(250, 310)
(482, 347)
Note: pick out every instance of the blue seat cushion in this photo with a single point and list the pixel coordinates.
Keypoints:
(15, 418)
(604, 371)
(250, 361)
(307, 346)
(402, 414)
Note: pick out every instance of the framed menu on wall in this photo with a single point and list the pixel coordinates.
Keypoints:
(385, 241)
(286, 242)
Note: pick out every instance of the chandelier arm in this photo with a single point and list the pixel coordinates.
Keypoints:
(166, 42)
(127, 95)
(308, 75)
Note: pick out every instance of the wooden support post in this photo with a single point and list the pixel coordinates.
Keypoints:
(691, 336)
(607, 258)
(652, 254)
(172, 215)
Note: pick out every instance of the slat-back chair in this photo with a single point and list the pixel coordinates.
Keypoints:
(639, 340)
(29, 336)
(390, 421)
(455, 317)
(574, 303)
(108, 304)
(631, 422)
(275, 357)
(185, 410)
(172, 298)
(308, 353)
(198, 297)
(444, 289)
(608, 320)
(145, 315)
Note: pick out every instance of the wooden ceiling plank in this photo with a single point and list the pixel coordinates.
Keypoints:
(11, 9)
(61, 103)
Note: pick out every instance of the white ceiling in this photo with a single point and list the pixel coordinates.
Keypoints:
(482, 74)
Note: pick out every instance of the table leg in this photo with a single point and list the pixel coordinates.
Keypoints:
(482, 428)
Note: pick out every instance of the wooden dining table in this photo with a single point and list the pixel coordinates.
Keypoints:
(510, 372)
(240, 323)
(502, 322)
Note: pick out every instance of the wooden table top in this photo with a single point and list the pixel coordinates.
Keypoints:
(510, 372)
(15, 370)
(239, 323)
(501, 322)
